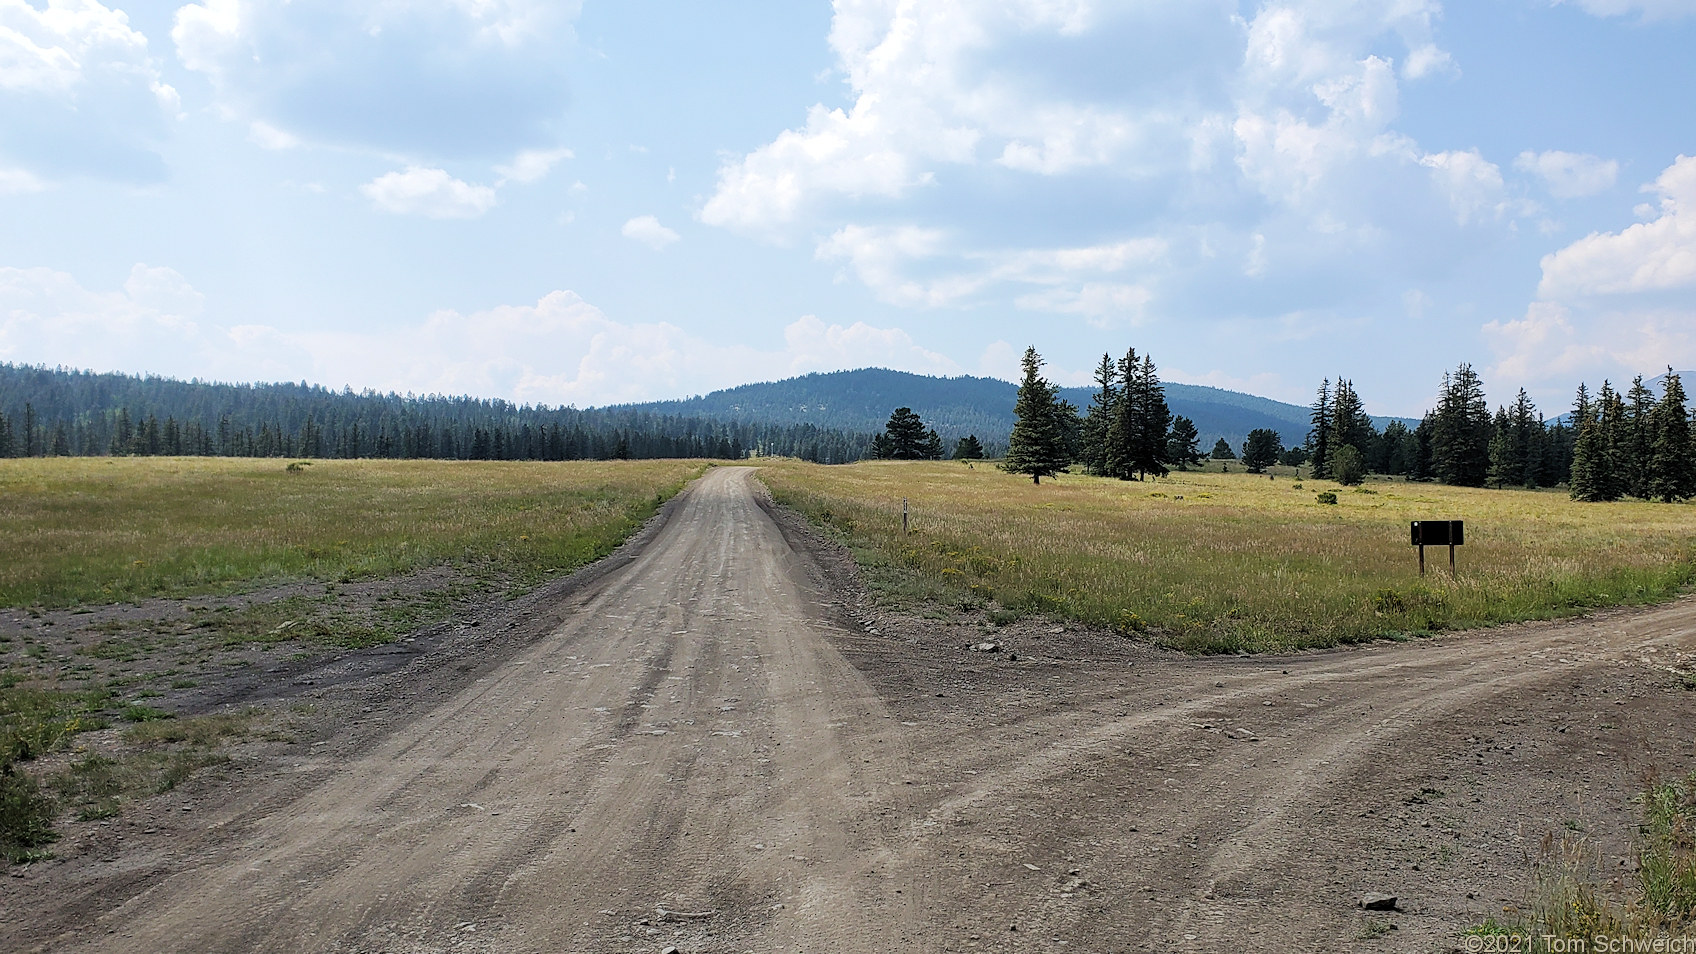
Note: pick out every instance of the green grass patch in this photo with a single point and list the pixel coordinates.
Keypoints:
(26, 817)
(136, 712)
(34, 722)
(100, 530)
(98, 786)
(205, 731)
(1239, 563)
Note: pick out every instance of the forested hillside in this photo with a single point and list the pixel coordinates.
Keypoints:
(860, 401)
(46, 411)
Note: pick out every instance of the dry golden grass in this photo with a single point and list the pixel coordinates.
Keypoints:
(1243, 562)
(76, 530)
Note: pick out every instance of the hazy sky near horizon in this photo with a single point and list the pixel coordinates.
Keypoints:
(599, 202)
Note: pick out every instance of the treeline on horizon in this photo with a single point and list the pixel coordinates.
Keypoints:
(1617, 445)
(47, 412)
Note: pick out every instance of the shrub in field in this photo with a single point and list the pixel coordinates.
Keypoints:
(1326, 497)
(1347, 466)
(26, 816)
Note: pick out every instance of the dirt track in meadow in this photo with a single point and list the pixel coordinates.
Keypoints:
(713, 743)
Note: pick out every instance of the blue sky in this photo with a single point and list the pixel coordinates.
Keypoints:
(600, 202)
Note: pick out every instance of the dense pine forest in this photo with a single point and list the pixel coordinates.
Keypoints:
(55, 411)
(1609, 445)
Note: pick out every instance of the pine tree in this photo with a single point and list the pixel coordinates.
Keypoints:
(1528, 438)
(1093, 437)
(1183, 447)
(1037, 445)
(1319, 432)
(1611, 429)
(1117, 453)
(31, 444)
(905, 437)
(1261, 450)
(932, 449)
(1460, 440)
(1588, 482)
(1636, 439)
(1503, 467)
(1401, 449)
(968, 448)
(1222, 450)
(1154, 421)
(1672, 464)
(1349, 423)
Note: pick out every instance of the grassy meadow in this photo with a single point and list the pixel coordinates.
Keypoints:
(80, 530)
(1227, 562)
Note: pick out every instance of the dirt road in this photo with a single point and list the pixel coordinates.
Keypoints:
(703, 749)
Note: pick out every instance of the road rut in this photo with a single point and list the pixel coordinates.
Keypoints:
(702, 753)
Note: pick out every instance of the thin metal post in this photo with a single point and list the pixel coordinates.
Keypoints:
(903, 514)
(1422, 559)
(1452, 559)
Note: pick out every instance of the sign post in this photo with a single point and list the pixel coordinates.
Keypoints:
(1438, 533)
(903, 514)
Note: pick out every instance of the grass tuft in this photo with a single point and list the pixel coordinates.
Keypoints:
(1568, 906)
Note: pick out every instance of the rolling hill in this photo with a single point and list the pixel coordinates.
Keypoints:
(861, 401)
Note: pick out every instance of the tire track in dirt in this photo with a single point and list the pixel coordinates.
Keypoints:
(700, 752)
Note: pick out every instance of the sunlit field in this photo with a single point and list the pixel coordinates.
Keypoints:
(76, 530)
(1213, 562)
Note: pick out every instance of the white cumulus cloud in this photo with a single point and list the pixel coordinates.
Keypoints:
(1569, 175)
(648, 230)
(1659, 255)
(1646, 9)
(1612, 304)
(453, 78)
(1472, 183)
(80, 92)
(558, 350)
(428, 192)
(929, 92)
(921, 267)
(531, 165)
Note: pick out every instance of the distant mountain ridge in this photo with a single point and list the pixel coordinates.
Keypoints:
(861, 400)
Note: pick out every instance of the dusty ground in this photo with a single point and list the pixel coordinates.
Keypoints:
(712, 741)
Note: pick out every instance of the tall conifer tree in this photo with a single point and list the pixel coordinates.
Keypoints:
(1319, 432)
(1038, 444)
(1672, 463)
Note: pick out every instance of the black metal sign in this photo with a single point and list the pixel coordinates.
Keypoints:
(1438, 533)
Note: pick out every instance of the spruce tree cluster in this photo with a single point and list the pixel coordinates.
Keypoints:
(1617, 445)
(1129, 430)
(1633, 445)
(1337, 420)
